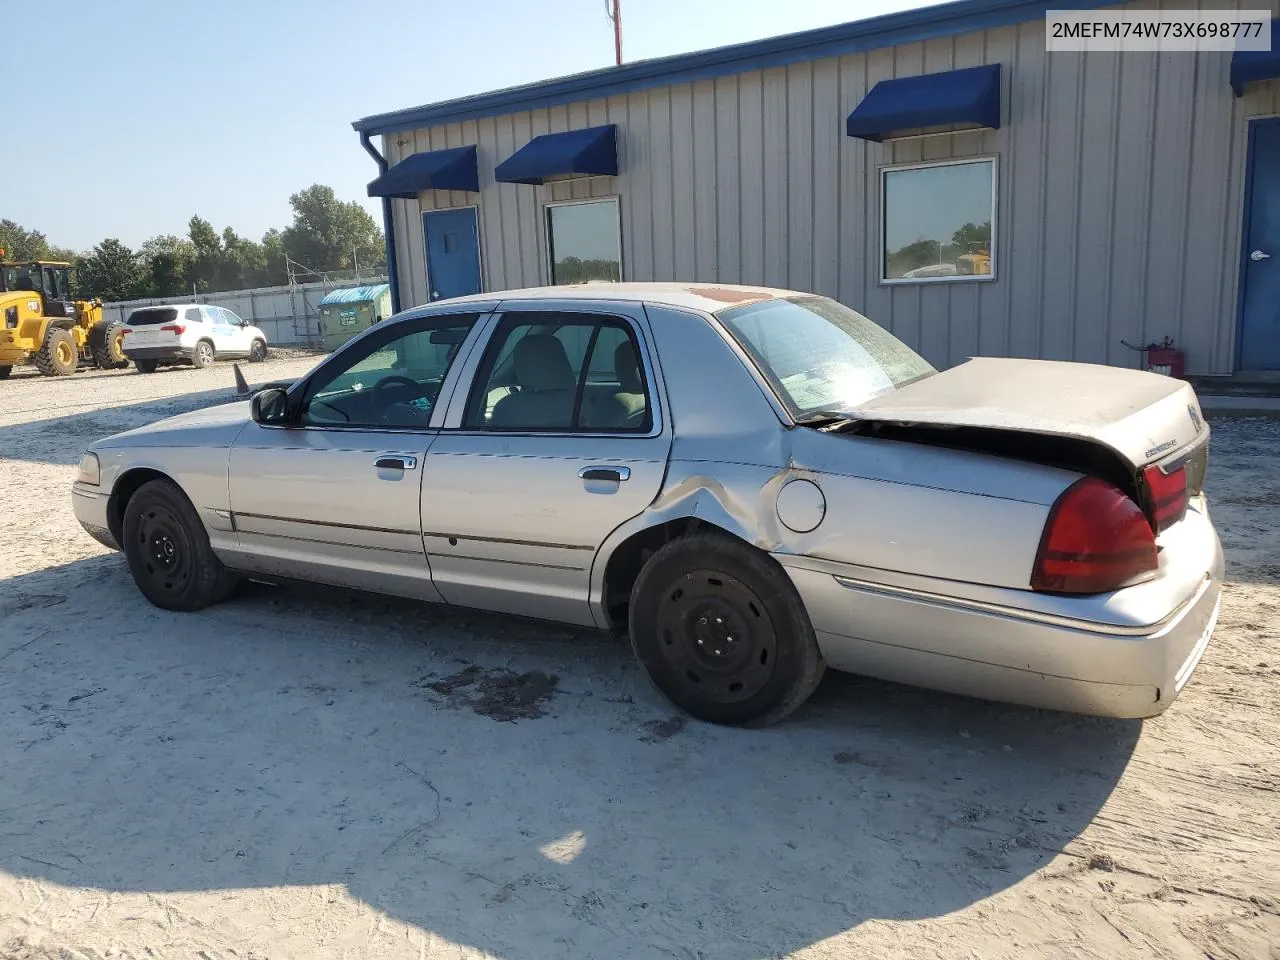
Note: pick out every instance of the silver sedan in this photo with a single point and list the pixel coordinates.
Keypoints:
(753, 484)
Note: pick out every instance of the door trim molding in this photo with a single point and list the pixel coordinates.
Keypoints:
(426, 248)
(324, 523)
(517, 543)
(1254, 124)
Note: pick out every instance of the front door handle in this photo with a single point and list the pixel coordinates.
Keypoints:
(1259, 255)
(396, 463)
(616, 474)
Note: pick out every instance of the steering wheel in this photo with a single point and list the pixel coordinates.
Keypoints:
(395, 380)
(411, 412)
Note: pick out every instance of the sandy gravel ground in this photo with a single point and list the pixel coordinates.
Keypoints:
(302, 774)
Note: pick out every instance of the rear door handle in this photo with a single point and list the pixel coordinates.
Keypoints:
(396, 463)
(616, 474)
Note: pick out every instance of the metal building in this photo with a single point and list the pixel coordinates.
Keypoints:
(936, 169)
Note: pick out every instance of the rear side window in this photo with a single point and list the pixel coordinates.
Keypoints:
(193, 315)
(819, 355)
(151, 316)
(561, 372)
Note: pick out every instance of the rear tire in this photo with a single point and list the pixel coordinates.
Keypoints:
(5, 371)
(202, 357)
(168, 550)
(107, 343)
(146, 366)
(722, 633)
(59, 356)
(257, 351)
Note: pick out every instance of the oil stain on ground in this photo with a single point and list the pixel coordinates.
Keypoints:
(496, 692)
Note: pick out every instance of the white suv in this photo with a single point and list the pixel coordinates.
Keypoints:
(191, 333)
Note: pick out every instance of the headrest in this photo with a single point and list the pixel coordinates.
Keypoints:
(626, 367)
(541, 364)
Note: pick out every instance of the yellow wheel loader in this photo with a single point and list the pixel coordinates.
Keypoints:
(40, 323)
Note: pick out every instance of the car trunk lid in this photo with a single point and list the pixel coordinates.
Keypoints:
(1104, 421)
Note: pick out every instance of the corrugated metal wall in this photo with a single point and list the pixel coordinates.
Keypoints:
(1121, 182)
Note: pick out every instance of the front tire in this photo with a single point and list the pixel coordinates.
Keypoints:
(168, 550)
(58, 357)
(146, 366)
(203, 355)
(5, 371)
(722, 632)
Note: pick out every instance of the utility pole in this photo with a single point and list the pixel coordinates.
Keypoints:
(613, 10)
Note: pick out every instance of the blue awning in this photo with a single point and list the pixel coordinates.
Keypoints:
(453, 169)
(1250, 65)
(593, 151)
(970, 96)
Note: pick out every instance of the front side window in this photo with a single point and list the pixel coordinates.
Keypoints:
(561, 372)
(583, 241)
(391, 380)
(819, 355)
(937, 221)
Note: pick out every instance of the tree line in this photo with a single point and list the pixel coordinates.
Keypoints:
(326, 235)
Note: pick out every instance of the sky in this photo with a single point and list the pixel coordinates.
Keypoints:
(177, 107)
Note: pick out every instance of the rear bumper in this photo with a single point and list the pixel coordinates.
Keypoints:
(90, 505)
(1017, 655)
(157, 353)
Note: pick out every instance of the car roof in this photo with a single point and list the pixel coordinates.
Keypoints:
(707, 297)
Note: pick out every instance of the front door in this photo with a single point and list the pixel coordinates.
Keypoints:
(557, 443)
(453, 252)
(332, 497)
(1260, 313)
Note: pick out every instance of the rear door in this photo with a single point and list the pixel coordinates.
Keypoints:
(334, 497)
(220, 331)
(560, 439)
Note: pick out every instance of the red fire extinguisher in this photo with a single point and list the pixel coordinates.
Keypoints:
(1160, 357)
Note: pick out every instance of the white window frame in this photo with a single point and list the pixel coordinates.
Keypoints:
(614, 198)
(995, 204)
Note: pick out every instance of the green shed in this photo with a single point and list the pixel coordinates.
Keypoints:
(344, 313)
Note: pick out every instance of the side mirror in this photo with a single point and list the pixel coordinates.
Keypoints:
(270, 407)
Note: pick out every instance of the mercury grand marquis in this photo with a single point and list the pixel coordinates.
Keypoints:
(753, 484)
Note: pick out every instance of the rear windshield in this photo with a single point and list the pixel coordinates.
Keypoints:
(820, 355)
(150, 315)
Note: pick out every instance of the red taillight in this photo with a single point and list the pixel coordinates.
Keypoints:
(1096, 540)
(177, 328)
(1168, 495)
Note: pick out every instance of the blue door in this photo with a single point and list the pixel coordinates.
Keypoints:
(453, 252)
(1260, 290)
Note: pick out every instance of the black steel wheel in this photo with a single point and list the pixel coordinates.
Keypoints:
(168, 550)
(722, 633)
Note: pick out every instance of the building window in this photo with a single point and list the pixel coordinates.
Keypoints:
(584, 241)
(938, 221)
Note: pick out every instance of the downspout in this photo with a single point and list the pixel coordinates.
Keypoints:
(388, 230)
